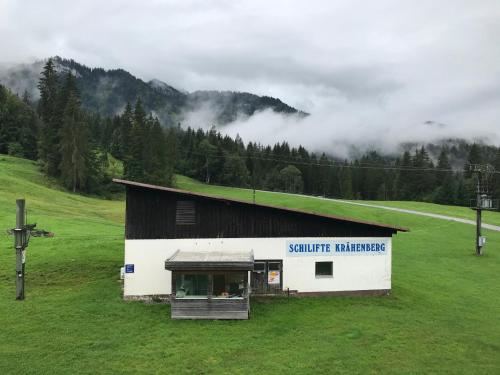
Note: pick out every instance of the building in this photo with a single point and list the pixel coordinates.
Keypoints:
(202, 249)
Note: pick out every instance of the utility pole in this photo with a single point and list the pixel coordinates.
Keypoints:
(483, 201)
(22, 233)
(479, 240)
(20, 244)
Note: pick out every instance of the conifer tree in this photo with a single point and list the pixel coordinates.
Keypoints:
(235, 172)
(207, 152)
(74, 146)
(345, 183)
(446, 192)
(405, 180)
(134, 161)
(474, 157)
(291, 179)
(157, 170)
(18, 126)
(48, 112)
(496, 176)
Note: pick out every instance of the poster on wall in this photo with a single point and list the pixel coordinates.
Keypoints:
(273, 277)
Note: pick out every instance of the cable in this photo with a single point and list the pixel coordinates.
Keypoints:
(333, 164)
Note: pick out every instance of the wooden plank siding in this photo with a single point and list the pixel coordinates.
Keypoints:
(151, 214)
(209, 308)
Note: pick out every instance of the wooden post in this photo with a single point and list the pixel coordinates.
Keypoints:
(20, 245)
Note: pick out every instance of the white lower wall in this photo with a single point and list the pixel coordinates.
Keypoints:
(351, 271)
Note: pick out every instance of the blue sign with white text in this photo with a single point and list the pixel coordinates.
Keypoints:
(129, 268)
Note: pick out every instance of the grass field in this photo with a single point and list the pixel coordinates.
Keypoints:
(443, 315)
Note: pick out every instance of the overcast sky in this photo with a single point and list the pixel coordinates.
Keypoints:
(364, 69)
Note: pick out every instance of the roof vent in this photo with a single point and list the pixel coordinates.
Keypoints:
(185, 213)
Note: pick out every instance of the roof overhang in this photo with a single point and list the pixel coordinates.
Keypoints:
(214, 260)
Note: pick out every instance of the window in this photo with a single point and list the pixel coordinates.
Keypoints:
(185, 213)
(275, 266)
(229, 284)
(187, 285)
(232, 284)
(324, 269)
(259, 267)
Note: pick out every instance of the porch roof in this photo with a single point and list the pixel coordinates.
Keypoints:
(213, 260)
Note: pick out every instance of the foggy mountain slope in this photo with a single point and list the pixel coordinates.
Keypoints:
(345, 130)
(107, 91)
(227, 105)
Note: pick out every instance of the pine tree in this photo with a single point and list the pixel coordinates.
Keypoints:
(171, 154)
(126, 128)
(235, 172)
(291, 179)
(134, 161)
(48, 112)
(405, 180)
(157, 166)
(74, 146)
(18, 126)
(475, 157)
(345, 181)
(422, 177)
(207, 153)
(446, 192)
(496, 176)
(324, 174)
(464, 191)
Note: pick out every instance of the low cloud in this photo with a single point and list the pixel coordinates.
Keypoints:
(21, 79)
(370, 73)
(345, 128)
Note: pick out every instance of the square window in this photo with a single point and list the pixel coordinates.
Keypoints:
(273, 266)
(259, 267)
(324, 269)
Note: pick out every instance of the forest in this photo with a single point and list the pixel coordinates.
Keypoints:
(84, 151)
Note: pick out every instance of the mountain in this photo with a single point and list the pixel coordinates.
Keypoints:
(107, 91)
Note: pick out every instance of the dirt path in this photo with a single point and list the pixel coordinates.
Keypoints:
(413, 212)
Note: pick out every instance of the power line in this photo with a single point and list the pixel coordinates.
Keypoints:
(336, 164)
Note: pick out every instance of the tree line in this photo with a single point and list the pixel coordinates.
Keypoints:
(84, 151)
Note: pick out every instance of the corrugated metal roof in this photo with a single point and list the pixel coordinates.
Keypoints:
(230, 200)
(210, 260)
(211, 256)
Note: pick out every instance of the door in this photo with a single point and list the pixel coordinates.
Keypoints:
(267, 277)
(258, 279)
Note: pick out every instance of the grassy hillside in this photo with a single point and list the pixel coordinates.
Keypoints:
(443, 315)
(490, 217)
(321, 205)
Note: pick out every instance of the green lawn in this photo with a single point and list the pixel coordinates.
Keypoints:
(443, 315)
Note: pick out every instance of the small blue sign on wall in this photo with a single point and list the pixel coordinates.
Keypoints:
(129, 268)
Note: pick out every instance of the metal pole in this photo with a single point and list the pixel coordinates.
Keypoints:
(20, 244)
(478, 232)
(478, 214)
(253, 180)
